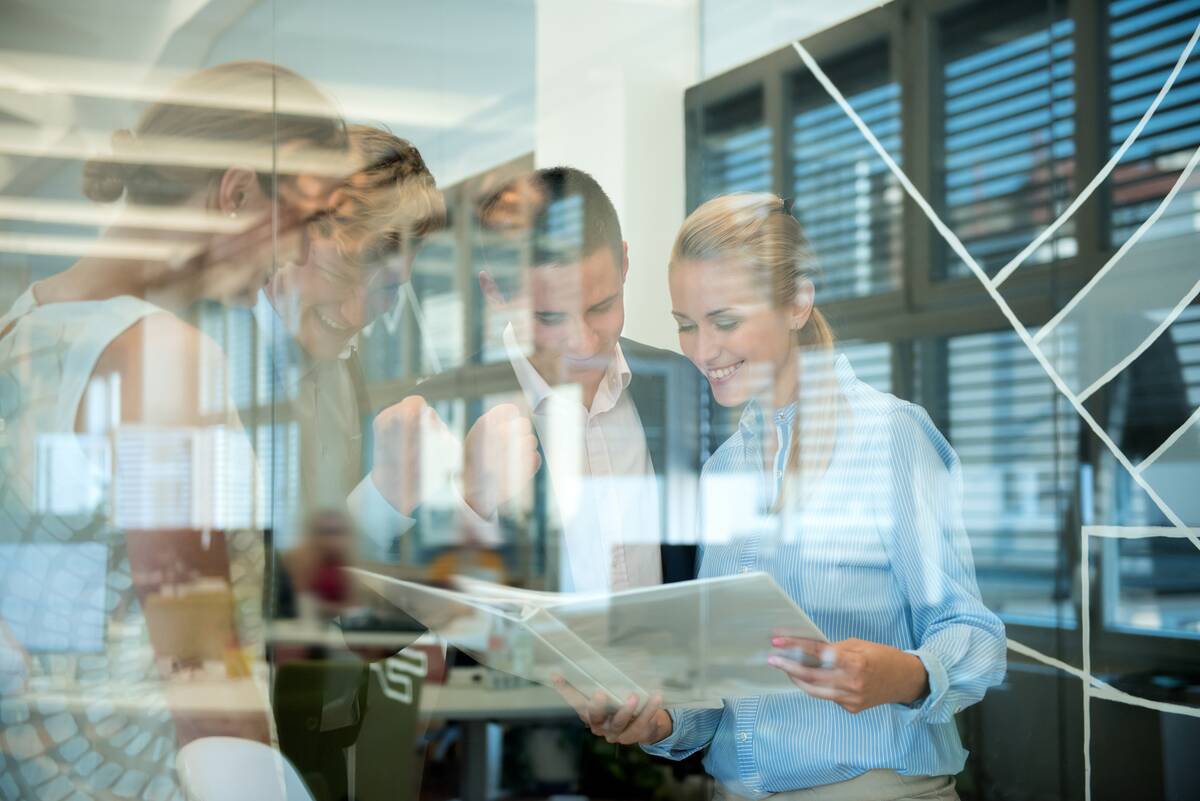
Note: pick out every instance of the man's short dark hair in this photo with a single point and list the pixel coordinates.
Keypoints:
(557, 215)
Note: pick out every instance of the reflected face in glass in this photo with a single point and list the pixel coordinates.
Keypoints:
(576, 313)
(270, 233)
(731, 331)
(330, 297)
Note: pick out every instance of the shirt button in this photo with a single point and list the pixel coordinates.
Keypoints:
(744, 570)
(744, 736)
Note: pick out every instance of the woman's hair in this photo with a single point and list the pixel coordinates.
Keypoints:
(391, 195)
(209, 121)
(756, 232)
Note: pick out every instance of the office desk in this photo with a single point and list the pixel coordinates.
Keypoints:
(299, 632)
(474, 706)
(468, 703)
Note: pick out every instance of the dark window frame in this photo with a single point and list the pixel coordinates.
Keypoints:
(924, 306)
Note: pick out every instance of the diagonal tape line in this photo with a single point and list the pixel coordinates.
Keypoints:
(1138, 532)
(1100, 177)
(1058, 664)
(1108, 693)
(1098, 688)
(1171, 440)
(957, 246)
(1150, 339)
(1125, 248)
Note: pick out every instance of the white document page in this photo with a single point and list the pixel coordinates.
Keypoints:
(697, 642)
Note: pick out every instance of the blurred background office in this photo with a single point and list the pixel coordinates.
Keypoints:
(1079, 497)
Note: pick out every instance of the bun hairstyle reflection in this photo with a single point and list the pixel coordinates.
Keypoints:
(757, 232)
(250, 103)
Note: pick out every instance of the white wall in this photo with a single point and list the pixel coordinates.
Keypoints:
(610, 79)
(610, 83)
(736, 31)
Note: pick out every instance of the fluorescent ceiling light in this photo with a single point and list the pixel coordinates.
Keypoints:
(25, 140)
(44, 74)
(148, 217)
(106, 248)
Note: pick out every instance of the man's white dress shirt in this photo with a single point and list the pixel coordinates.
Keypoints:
(600, 474)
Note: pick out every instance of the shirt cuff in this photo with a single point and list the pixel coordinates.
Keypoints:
(448, 520)
(685, 738)
(933, 707)
(483, 531)
(378, 520)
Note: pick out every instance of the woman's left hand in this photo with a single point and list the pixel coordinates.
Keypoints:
(854, 674)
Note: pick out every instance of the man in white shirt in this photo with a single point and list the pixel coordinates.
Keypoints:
(616, 480)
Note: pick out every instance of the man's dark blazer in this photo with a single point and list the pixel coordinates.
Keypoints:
(671, 398)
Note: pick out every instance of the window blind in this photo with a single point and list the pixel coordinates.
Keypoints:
(1007, 131)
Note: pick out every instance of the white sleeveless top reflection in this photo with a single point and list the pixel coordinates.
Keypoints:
(83, 712)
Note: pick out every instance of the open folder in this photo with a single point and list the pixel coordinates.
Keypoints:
(696, 642)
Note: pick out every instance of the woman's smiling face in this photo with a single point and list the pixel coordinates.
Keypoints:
(733, 332)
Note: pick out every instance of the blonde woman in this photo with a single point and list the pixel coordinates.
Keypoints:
(853, 507)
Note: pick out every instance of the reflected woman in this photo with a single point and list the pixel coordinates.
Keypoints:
(849, 499)
(132, 579)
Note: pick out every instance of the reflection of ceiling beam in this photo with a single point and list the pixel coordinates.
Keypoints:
(143, 217)
(25, 140)
(106, 248)
(41, 74)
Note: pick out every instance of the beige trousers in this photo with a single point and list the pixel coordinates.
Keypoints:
(874, 785)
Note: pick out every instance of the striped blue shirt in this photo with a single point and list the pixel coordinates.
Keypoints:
(876, 551)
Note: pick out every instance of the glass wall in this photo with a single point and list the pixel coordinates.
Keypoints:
(558, 399)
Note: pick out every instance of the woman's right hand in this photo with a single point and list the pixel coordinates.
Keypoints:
(625, 725)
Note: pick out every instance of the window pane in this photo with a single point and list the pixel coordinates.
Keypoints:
(872, 362)
(1153, 583)
(1145, 40)
(1008, 101)
(846, 198)
(1018, 442)
(735, 148)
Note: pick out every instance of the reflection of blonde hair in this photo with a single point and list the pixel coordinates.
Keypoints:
(757, 232)
(242, 103)
(391, 195)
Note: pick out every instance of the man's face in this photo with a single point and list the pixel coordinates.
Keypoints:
(575, 315)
